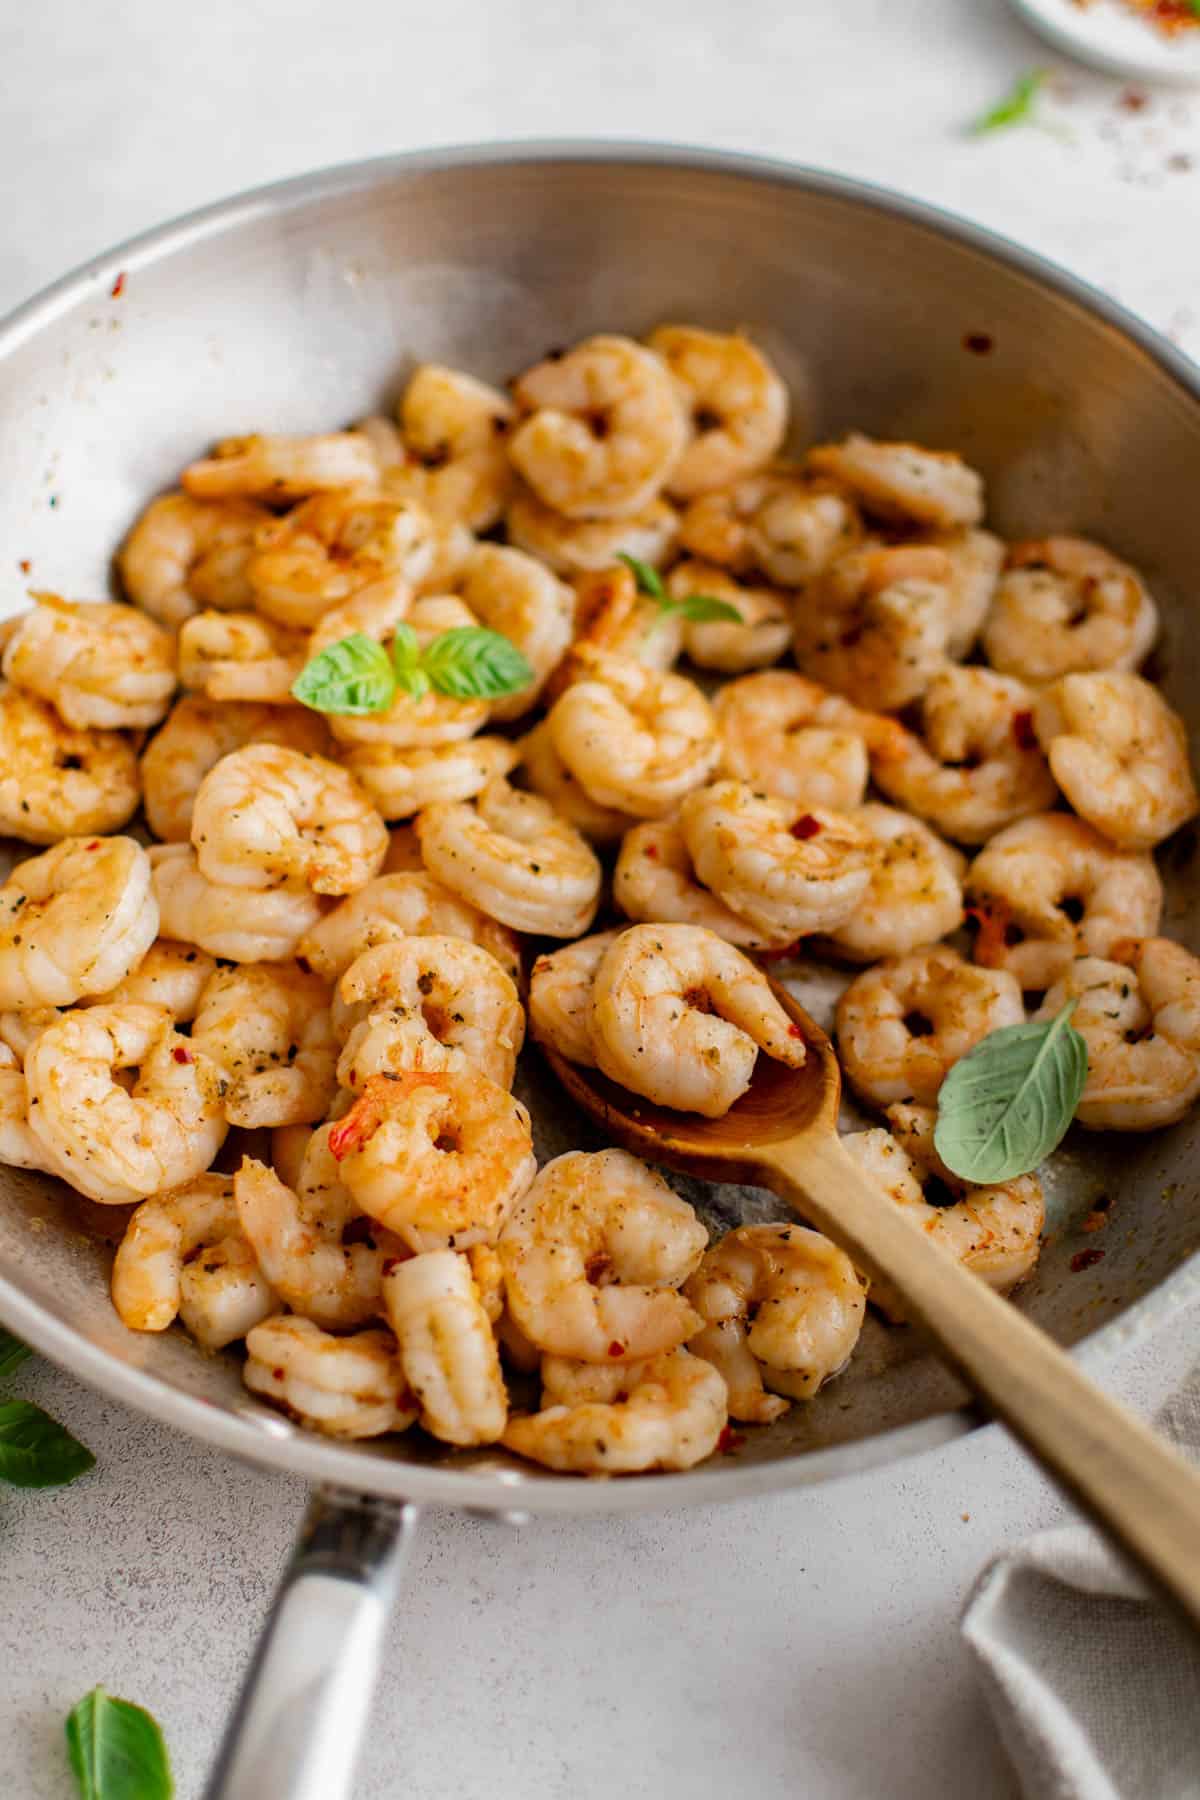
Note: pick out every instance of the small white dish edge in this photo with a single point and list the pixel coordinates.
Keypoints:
(1114, 39)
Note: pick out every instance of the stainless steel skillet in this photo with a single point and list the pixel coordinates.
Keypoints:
(302, 304)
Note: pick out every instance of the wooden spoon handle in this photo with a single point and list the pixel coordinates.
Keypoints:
(1133, 1485)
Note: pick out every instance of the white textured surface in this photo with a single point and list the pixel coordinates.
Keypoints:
(803, 1645)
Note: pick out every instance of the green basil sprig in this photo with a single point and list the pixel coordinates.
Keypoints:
(1004, 1107)
(356, 675)
(1017, 106)
(702, 608)
(35, 1450)
(117, 1750)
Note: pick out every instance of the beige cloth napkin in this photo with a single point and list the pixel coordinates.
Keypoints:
(1094, 1687)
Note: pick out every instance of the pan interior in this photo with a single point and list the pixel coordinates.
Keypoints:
(305, 308)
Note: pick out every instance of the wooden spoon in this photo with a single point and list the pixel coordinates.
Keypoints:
(782, 1134)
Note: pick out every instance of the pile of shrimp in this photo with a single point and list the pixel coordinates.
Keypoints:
(281, 1016)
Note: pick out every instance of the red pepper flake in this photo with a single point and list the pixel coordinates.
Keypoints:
(1085, 1259)
(94, 845)
(278, 1374)
(806, 826)
(651, 851)
(795, 1031)
(616, 1349)
(182, 1054)
(1023, 732)
(118, 286)
(1134, 100)
(24, 565)
(785, 954)
(730, 1440)
(979, 343)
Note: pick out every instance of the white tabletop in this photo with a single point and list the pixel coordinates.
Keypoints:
(804, 1645)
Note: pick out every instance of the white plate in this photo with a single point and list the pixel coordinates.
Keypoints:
(1111, 36)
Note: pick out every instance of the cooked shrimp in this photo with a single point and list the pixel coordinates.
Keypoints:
(18, 1029)
(782, 522)
(607, 428)
(785, 735)
(612, 613)
(101, 666)
(1119, 754)
(400, 782)
(996, 1232)
(265, 815)
(170, 974)
(238, 656)
(580, 546)
(116, 1145)
(184, 1255)
(787, 875)
(1066, 605)
(738, 406)
(667, 1412)
(321, 1255)
(446, 1347)
(441, 987)
(280, 469)
(760, 638)
(519, 597)
(183, 555)
(679, 1015)
(327, 549)
(19, 1147)
(976, 559)
(544, 770)
(592, 1256)
(244, 925)
(637, 739)
(455, 447)
(654, 881)
(1050, 889)
(1141, 1025)
(196, 734)
(902, 1025)
(439, 1158)
(781, 1306)
(560, 996)
(347, 1387)
(55, 781)
(410, 723)
(902, 481)
(74, 921)
(876, 626)
(510, 855)
(266, 1027)
(374, 611)
(398, 906)
(977, 765)
(915, 897)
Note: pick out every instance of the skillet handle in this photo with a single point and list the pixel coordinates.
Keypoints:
(298, 1723)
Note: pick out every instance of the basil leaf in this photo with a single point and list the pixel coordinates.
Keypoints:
(1007, 1104)
(473, 663)
(35, 1450)
(406, 661)
(1016, 106)
(353, 676)
(649, 581)
(12, 1353)
(117, 1750)
(702, 608)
